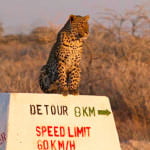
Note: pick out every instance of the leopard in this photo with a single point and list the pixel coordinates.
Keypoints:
(62, 72)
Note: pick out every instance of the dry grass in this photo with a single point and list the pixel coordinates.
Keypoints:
(135, 145)
(117, 69)
(21, 65)
(120, 70)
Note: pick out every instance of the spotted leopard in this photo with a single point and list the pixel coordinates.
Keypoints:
(61, 73)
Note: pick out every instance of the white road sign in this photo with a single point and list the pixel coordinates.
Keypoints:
(55, 122)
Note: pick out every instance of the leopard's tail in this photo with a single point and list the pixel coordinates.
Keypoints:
(46, 81)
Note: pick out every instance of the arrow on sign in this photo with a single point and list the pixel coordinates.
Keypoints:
(104, 112)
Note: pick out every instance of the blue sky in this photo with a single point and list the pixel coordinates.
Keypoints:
(21, 14)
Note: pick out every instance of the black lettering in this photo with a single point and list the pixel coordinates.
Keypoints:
(46, 107)
(92, 111)
(59, 110)
(53, 110)
(39, 109)
(77, 111)
(65, 110)
(85, 111)
(32, 109)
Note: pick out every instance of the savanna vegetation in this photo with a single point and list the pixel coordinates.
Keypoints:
(116, 63)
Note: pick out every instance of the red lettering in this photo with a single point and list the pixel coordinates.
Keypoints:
(61, 145)
(1, 142)
(53, 145)
(56, 131)
(38, 131)
(56, 145)
(69, 133)
(43, 130)
(2, 138)
(88, 130)
(39, 145)
(72, 145)
(80, 131)
(45, 144)
(49, 130)
(62, 131)
(3, 135)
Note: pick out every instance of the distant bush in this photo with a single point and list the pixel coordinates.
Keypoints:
(43, 34)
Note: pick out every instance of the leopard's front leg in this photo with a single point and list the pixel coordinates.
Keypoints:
(62, 78)
(74, 78)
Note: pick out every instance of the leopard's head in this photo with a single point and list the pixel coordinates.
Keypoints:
(79, 26)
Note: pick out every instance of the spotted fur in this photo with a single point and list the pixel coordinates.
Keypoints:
(61, 74)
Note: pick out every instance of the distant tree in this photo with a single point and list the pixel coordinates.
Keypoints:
(138, 19)
(1, 29)
(9, 38)
(114, 21)
(23, 38)
(43, 34)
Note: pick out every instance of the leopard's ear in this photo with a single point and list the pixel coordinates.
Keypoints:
(87, 17)
(72, 18)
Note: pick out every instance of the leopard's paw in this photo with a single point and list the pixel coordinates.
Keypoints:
(74, 92)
